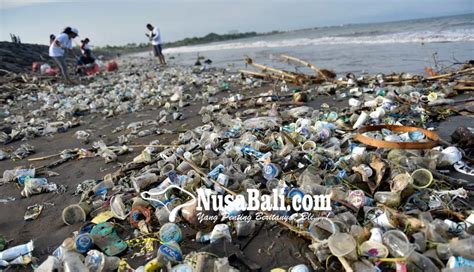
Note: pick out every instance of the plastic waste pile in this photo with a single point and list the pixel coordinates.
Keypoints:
(111, 94)
(393, 201)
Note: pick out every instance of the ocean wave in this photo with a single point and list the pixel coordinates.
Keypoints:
(464, 35)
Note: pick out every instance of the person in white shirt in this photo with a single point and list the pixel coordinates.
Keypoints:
(85, 46)
(57, 49)
(155, 39)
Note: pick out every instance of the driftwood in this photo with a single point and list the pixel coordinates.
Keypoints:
(292, 77)
(463, 88)
(265, 68)
(471, 69)
(326, 74)
(252, 73)
(259, 75)
(465, 82)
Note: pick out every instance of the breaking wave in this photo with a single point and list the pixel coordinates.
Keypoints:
(465, 35)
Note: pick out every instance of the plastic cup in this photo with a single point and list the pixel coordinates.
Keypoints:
(138, 201)
(76, 213)
(378, 113)
(244, 228)
(170, 252)
(376, 235)
(183, 167)
(166, 169)
(361, 120)
(400, 182)
(373, 249)
(322, 228)
(343, 245)
(105, 184)
(196, 156)
(118, 208)
(72, 262)
(390, 199)
(170, 232)
(421, 178)
(143, 157)
(144, 181)
(308, 146)
(96, 261)
(84, 242)
(397, 243)
(271, 171)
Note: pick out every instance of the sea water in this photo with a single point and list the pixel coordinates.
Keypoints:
(404, 46)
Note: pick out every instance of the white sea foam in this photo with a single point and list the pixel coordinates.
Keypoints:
(462, 35)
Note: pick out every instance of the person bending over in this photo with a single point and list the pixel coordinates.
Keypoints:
(155, 39)
(57, 49)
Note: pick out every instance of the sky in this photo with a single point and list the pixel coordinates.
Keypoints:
(109, 22)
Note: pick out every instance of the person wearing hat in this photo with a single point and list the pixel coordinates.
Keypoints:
(85, 63)
(57, 49)
(85, 46)
(155, 39)
(52, 37)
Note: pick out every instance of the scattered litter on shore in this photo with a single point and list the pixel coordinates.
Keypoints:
(399, 194)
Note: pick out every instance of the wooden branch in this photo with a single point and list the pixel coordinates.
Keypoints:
(451, 74)
(253, 74)
(463, 88)
(265, 68)
(260, 75)
(307, 64)
(466, 82)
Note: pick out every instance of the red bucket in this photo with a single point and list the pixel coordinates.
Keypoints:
(93, 70)
(111, 66)
(52, 71)
(36, 66)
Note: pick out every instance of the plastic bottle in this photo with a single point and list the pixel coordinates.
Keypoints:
(421, 262)
(14, 252)
(463, 248)
(37, 186)
(10, 175)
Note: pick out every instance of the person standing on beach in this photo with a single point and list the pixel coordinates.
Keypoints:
(155, 38)
(57, 49)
